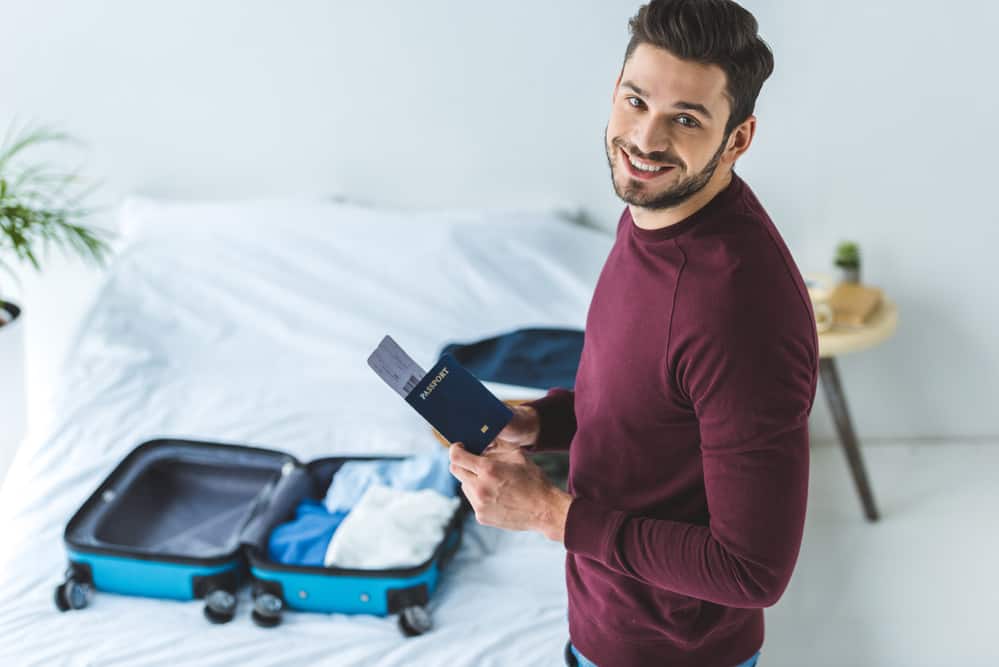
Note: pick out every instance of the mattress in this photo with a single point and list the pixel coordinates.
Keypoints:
(251, 323)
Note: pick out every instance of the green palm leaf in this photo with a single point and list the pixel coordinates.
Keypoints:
(41, 206)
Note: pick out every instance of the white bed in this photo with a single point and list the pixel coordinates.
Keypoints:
(251, 323)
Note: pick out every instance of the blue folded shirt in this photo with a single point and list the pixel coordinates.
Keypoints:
(423, 471)
(304, 540)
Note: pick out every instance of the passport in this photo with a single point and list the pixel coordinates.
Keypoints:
(448, 396)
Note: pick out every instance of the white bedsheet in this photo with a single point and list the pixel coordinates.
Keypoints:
(252, 324)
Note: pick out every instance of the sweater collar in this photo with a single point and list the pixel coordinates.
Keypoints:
(728, 194)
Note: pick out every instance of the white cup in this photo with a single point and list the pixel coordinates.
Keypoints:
(820, 286)
(823, 316)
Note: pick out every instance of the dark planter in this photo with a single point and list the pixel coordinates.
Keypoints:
(849, 274)
(12, 396)
(12, 313)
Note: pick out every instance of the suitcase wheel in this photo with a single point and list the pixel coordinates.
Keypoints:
(414, 621)
(220, 606)
(71, 594)
(267, 609)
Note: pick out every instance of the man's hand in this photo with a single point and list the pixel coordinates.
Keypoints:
(522, 431)
(507, 490)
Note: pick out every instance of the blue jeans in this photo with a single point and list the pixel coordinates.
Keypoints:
(581, 660)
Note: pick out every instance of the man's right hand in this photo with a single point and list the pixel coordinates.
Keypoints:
(522, 431)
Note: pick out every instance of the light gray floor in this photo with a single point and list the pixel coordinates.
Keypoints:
(920, 587)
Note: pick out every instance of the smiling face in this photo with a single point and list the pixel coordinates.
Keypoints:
(666, 133)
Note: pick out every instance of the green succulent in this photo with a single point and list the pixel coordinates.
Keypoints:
(848, 255)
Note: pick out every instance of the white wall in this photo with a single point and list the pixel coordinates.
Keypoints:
(876, 126)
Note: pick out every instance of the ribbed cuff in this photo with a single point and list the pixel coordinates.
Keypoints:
(591, 529)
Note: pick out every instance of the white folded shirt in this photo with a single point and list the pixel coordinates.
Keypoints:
(390, 528)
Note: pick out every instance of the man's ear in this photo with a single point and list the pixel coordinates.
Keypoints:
(742, 137)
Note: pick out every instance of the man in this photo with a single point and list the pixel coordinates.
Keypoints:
(688, 427)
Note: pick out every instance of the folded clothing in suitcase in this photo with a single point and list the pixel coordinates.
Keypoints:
(183, 519)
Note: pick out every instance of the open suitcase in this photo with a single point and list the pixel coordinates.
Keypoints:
(191, 520)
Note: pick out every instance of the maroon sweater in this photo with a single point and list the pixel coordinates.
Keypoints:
(689, 439)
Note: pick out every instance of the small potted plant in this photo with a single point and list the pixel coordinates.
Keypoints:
(848, 261)
(40, 207)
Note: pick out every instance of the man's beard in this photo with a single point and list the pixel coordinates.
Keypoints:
(634, 193)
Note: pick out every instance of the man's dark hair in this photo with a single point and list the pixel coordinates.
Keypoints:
(711, 32)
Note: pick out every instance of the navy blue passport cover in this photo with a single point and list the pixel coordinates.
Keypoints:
(460, 407)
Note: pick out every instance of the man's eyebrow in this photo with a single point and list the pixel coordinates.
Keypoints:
(629, 84)
(694, 106)
(688, 106)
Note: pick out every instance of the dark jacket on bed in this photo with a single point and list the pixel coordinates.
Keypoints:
(689, 439)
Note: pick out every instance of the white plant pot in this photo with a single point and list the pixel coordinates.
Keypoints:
(12, 387)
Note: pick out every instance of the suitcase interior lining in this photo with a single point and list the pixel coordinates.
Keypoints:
(184, 507)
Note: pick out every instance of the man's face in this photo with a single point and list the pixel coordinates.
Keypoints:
(668, 116)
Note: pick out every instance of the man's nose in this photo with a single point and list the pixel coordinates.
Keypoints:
(650, 138)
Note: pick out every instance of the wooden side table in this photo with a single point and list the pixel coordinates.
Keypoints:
(879, 327)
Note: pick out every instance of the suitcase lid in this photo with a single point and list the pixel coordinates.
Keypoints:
(187, 501)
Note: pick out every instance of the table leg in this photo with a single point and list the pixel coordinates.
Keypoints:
(837, 404)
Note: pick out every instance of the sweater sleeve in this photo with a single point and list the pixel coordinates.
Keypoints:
(556, 413)
(750, 379)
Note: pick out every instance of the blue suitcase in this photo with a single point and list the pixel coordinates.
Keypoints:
(191, 520)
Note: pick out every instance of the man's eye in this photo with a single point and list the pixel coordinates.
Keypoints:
(691, 123)
(634, 102)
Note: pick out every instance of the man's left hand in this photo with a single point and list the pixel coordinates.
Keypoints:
(508, 490)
